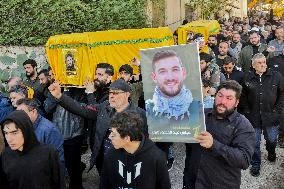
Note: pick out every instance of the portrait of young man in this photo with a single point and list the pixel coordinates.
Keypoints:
(70, 63)
(172, 93)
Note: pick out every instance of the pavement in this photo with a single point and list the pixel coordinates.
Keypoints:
(271, 175)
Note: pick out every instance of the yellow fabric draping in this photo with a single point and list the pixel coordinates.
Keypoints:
(205, 27)
(73, 57)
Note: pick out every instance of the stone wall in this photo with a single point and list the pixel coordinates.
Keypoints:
(12, 58)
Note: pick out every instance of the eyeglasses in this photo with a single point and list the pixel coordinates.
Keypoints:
(115, 92)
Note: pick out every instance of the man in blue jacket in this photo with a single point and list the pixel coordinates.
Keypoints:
(5, 107)
(45, 131)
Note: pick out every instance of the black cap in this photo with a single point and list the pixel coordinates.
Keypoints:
(120, 84)
(127, 68)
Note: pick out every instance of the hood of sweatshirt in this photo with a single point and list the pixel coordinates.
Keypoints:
(23, 122)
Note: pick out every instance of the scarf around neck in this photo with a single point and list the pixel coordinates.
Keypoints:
(177, 106)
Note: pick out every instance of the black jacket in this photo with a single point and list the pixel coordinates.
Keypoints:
(233, 147)
(102, 113)
(99, 96)
(262, 98)
(276, 63)
(235, 75)
(36, 167)
(145, 169)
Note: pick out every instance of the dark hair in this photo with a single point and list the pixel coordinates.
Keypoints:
(164, 54)
(213, 36)
(30, 103)
(252, 32)
(225, 41)
(206, 83)
(197, 35)
(22, 122)
(109, 68)
(127, 68)
(184, 22)
(69, 54)
(44, 71)
(206, 57)
(233, 85)
(128, 123)
(228, 60)
(31, 62)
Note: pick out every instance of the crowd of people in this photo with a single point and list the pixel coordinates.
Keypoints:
(46, 127)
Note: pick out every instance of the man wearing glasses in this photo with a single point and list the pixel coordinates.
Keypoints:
(119, 93)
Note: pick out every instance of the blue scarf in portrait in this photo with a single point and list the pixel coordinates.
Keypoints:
(176, 107)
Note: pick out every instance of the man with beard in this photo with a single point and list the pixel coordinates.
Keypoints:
(210, 72)
(171, 99)
(223, 53)
(172, 104)
(213, 44)
(236, 46)
(230, 72)
(32, 78)
(225, 148)
(126, 73)
(276, 46)
(44, 81)
(97, 91)
(262, 103)
(248, 51)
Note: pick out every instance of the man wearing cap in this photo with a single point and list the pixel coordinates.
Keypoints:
(119, 93)
(126, 73)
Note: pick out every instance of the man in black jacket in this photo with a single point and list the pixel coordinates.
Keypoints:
(97, 92)
(262, 103)
(230, 71)
(225, 148)
(276, 63)
(135, 162)
(118, 102)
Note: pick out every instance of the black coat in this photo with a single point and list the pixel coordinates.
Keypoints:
(276, 63)
(102, 113)
(99, 96)
(262, 98)
(235, 75)
(220, 166)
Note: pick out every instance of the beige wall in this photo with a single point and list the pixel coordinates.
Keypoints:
(242, 11)
(174, 12)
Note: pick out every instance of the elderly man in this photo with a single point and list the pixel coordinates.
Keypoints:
(102, 113)
(262, 103)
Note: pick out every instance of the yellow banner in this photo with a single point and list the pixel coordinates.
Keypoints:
(73, 57)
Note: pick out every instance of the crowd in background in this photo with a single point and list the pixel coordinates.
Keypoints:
(70, 120)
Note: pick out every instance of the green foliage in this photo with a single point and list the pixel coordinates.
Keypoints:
(209, 8)
(32, 22)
